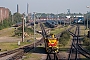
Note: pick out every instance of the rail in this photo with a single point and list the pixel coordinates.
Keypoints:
(76, 46)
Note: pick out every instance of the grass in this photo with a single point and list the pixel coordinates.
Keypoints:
(34, 55)
(38, 27)
(8, 46)
(58, 30)
(73, 30)
(83, 30)
(7, 32)
(5, 46)
(84, 59)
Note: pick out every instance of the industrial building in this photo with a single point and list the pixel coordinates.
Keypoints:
(4, 13)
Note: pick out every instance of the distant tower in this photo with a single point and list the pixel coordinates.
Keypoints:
(27, 8)
(68, 11)
(28, 14)
(17, 8)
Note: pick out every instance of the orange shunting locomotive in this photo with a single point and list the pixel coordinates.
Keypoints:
(51, 44)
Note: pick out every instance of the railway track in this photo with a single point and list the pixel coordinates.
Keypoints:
(20, 51)
(55, 56)
(76, 49)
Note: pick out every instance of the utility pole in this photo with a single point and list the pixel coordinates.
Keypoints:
(25, 21)
(87, 19)
(34, 31)
(47, 16)
(70, 18)
(64, 18)
(57, 17)
(84, 25)
(87, 16)
(23, 29)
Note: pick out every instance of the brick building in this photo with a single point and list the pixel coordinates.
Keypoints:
(4, 13)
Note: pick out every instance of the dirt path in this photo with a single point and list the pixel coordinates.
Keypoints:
(9, 39)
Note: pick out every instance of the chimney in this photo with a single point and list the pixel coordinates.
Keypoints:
(17, 8)
(27, 8)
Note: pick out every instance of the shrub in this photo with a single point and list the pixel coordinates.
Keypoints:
(64, 38)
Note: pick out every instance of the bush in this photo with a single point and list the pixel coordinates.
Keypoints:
(86, 41)
(18, 32)
(88, 48)
(29, 30)
(5, 24)
(64, 38)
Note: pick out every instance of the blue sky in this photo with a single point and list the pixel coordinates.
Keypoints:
(47, 6)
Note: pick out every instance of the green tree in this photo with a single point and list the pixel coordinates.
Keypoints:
(6, 22)
(17, 17)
